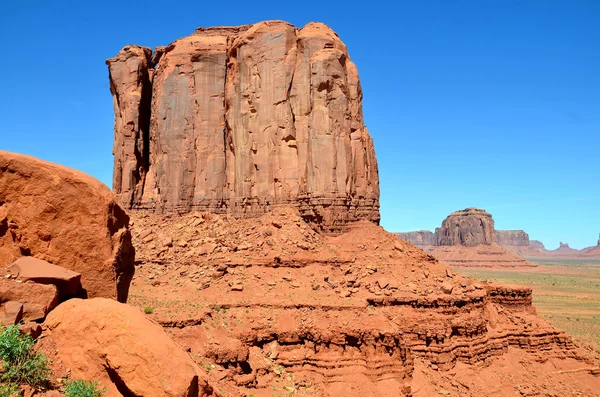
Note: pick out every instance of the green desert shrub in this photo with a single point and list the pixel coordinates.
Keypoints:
(9, 390)
(83, 388)
(20, 364)
(148, 310)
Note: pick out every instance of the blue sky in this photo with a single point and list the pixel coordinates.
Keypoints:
(491, 104)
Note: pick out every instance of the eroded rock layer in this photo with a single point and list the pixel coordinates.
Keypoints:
(242, 119)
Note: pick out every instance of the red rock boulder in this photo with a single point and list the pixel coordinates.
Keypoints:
(28, 268)
(37, 299)
(67, 218)
(117, 345)
(11, 313)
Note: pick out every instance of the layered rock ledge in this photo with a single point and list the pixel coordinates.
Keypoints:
(242, 119)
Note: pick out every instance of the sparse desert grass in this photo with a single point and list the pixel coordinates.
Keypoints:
(566, 293)
(83, 388)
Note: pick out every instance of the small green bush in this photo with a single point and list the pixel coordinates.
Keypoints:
(148, 310)
(19, 363)
(83, 388)
(10, 390)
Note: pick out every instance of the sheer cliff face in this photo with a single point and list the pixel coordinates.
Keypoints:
(469, 227)
(242, 119)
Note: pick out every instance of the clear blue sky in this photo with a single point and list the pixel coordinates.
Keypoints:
(492, 104)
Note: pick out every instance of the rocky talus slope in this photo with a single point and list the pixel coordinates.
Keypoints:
(243, 119)
(270, 305)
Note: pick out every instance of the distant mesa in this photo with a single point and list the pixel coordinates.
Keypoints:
(420, 238)
(537, 245)
(515, 238)
(473, 227)
(241, 120)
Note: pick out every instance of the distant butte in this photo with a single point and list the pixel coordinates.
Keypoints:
(474, 227)
(467, 238)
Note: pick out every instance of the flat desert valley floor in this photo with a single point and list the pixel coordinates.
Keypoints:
(566, 293)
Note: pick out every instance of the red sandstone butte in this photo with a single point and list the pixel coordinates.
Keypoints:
(242, 119)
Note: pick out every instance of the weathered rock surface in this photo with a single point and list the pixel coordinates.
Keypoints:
(67, 218)
(469, 227)
(11, 313)
(517, 238)
(118, 346)
(243, 119)
(420, 239)
(37, 299)
(27, 268)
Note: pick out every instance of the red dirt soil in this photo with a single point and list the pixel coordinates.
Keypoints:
(268, 306)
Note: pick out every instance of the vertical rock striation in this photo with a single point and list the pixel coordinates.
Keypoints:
(130, 86)
(241, 119)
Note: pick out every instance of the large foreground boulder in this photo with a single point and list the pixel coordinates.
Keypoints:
(115, 344)
(67, 218)
(28, 268)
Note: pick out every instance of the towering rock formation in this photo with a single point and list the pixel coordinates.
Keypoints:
(130, 87)
(469, 227)
(242, 119)
(515, 238)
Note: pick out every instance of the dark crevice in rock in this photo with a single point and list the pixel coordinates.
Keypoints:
(119, 383)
